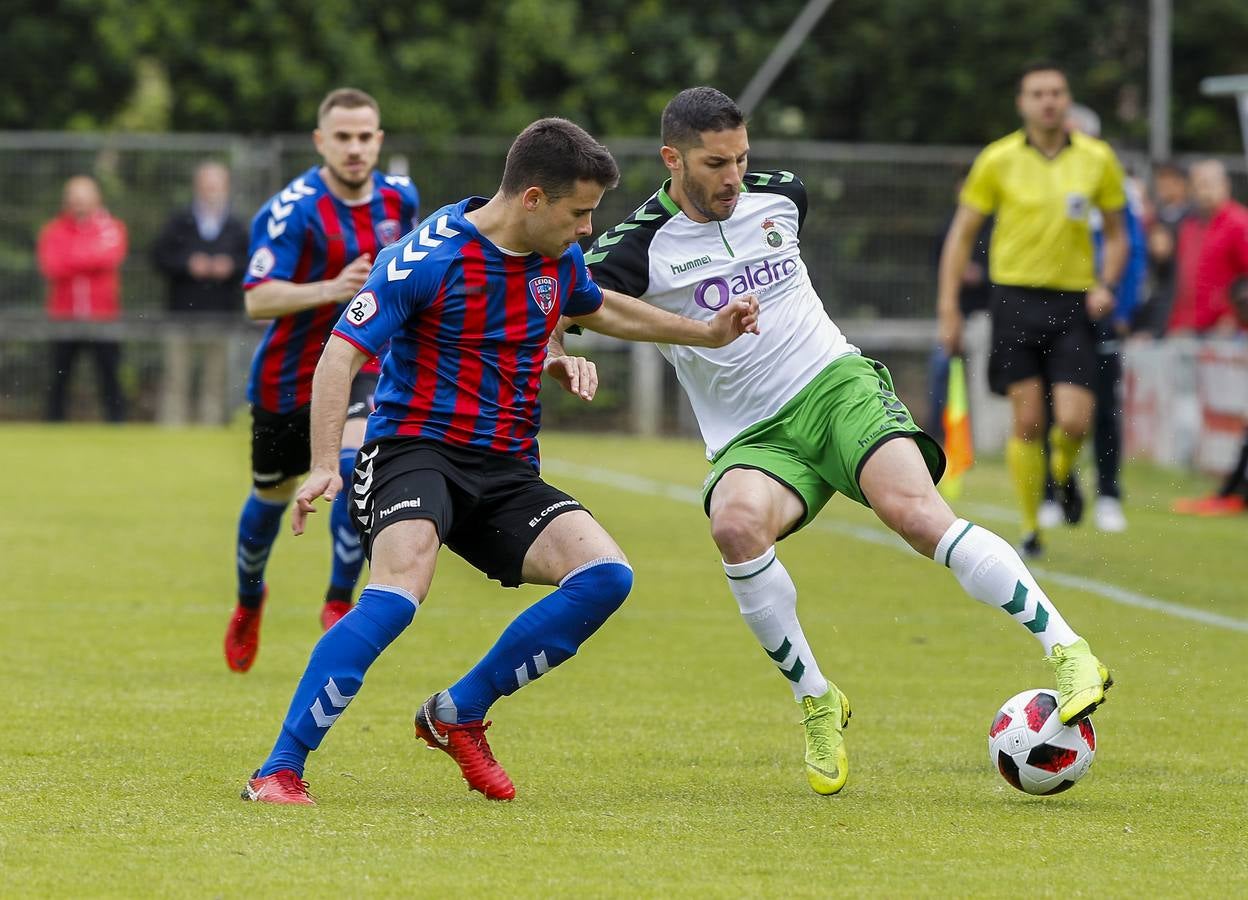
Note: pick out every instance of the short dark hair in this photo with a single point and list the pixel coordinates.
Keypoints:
(695, 110)
(348, 98)
(553, 154)
(1170, 167)
(1040, 65)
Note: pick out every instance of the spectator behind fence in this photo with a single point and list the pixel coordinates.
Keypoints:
(1171, 205)
(80, 253)
(1232, 495)
(202, 250)
(1212, 253)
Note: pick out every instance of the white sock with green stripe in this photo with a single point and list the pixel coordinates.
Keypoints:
(768, 601)
(989, 569)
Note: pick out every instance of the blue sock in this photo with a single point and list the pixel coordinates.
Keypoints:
(348, 555)
(336, 671)
(543, 636)
(257, 530)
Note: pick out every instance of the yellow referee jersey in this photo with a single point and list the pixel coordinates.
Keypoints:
(1042, 237)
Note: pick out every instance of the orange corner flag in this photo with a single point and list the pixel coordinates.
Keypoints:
(959, 449)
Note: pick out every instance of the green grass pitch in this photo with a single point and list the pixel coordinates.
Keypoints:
(664, 760)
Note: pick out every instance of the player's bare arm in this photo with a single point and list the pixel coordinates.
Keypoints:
(1101, 296)
(575, 374)
(953, 259)
(283, 298)
(630, 319)
(331, 391)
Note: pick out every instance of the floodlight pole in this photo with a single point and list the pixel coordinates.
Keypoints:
(779, 57)
(1237, 87)
(1159, 80)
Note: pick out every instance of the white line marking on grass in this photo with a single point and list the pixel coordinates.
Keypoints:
(639, 484)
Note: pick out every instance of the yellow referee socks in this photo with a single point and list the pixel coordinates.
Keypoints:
(1026, 462)
(1065, 450)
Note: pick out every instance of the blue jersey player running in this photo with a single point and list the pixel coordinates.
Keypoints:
(312, 246)
(468, 302)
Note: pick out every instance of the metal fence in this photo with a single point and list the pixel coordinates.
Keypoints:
(877, 214)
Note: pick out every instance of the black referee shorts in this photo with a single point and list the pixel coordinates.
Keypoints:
(487, 507)
(1039, 333)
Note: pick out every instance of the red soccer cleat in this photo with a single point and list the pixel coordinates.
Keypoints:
(332, 611)
(242, 636)
(1210, 506)
(283, 786)
(466, 744)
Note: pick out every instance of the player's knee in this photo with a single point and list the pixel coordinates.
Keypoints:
(739, 534)
(283, 492)
(602, 585)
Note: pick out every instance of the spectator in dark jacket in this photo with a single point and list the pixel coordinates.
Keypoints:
(203, 251)
(80, 254)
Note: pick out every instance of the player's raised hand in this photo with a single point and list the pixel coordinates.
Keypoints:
(348, 282)
(575, 374)
(320, 483)
(737, 317)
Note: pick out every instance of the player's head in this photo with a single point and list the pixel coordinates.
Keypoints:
(557, 173)
(705, 148)
(348, 136)
(1211, 186)
(1170, 183)
(81, 197)
(1043, 96)
(211, 185)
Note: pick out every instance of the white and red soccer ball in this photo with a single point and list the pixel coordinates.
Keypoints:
(1033, 750)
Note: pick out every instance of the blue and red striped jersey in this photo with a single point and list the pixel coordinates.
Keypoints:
(467, 323)
(305, 234)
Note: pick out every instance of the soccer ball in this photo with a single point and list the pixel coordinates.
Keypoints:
(1033, 750)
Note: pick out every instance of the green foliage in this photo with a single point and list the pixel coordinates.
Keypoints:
(873, 70)
(663, 761)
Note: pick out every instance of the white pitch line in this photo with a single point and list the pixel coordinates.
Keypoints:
(639, 484)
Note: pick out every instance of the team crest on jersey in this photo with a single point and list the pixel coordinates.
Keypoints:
(388, 232)
(261, 263)
(545, 291)
(362, 308)
(774, 238)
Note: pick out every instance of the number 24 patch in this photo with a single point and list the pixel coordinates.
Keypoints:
(362, 308)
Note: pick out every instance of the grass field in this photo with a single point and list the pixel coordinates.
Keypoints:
(663, 760)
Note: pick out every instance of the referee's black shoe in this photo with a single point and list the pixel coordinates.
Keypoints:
(1031, 547)
(1070, 496)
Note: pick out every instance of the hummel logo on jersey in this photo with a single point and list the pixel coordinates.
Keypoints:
(411, 255)
(691, 264)
(545, 291)
(402, 504)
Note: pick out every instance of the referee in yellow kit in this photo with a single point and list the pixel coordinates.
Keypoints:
(1042, 184)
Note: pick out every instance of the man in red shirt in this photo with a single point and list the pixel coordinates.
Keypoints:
(80, 253)
(1212, 252)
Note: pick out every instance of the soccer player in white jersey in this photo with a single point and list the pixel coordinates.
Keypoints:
(798, 414)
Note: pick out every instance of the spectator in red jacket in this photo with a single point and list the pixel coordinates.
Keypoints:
(80, 253)
(1212, 253)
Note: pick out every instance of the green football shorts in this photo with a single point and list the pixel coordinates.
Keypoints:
(819, 441)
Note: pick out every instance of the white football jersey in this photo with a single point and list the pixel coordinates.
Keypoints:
(694, 268)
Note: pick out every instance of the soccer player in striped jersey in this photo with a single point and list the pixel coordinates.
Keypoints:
(468, 303)
(312, 246)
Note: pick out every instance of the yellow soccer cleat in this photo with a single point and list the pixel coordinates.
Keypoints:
(827, 762)
(1081, 680)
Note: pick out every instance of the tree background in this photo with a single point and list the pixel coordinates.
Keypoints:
(909, 71)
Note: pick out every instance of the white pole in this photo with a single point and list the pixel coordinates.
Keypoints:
(1159, 80)
(771, 68)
